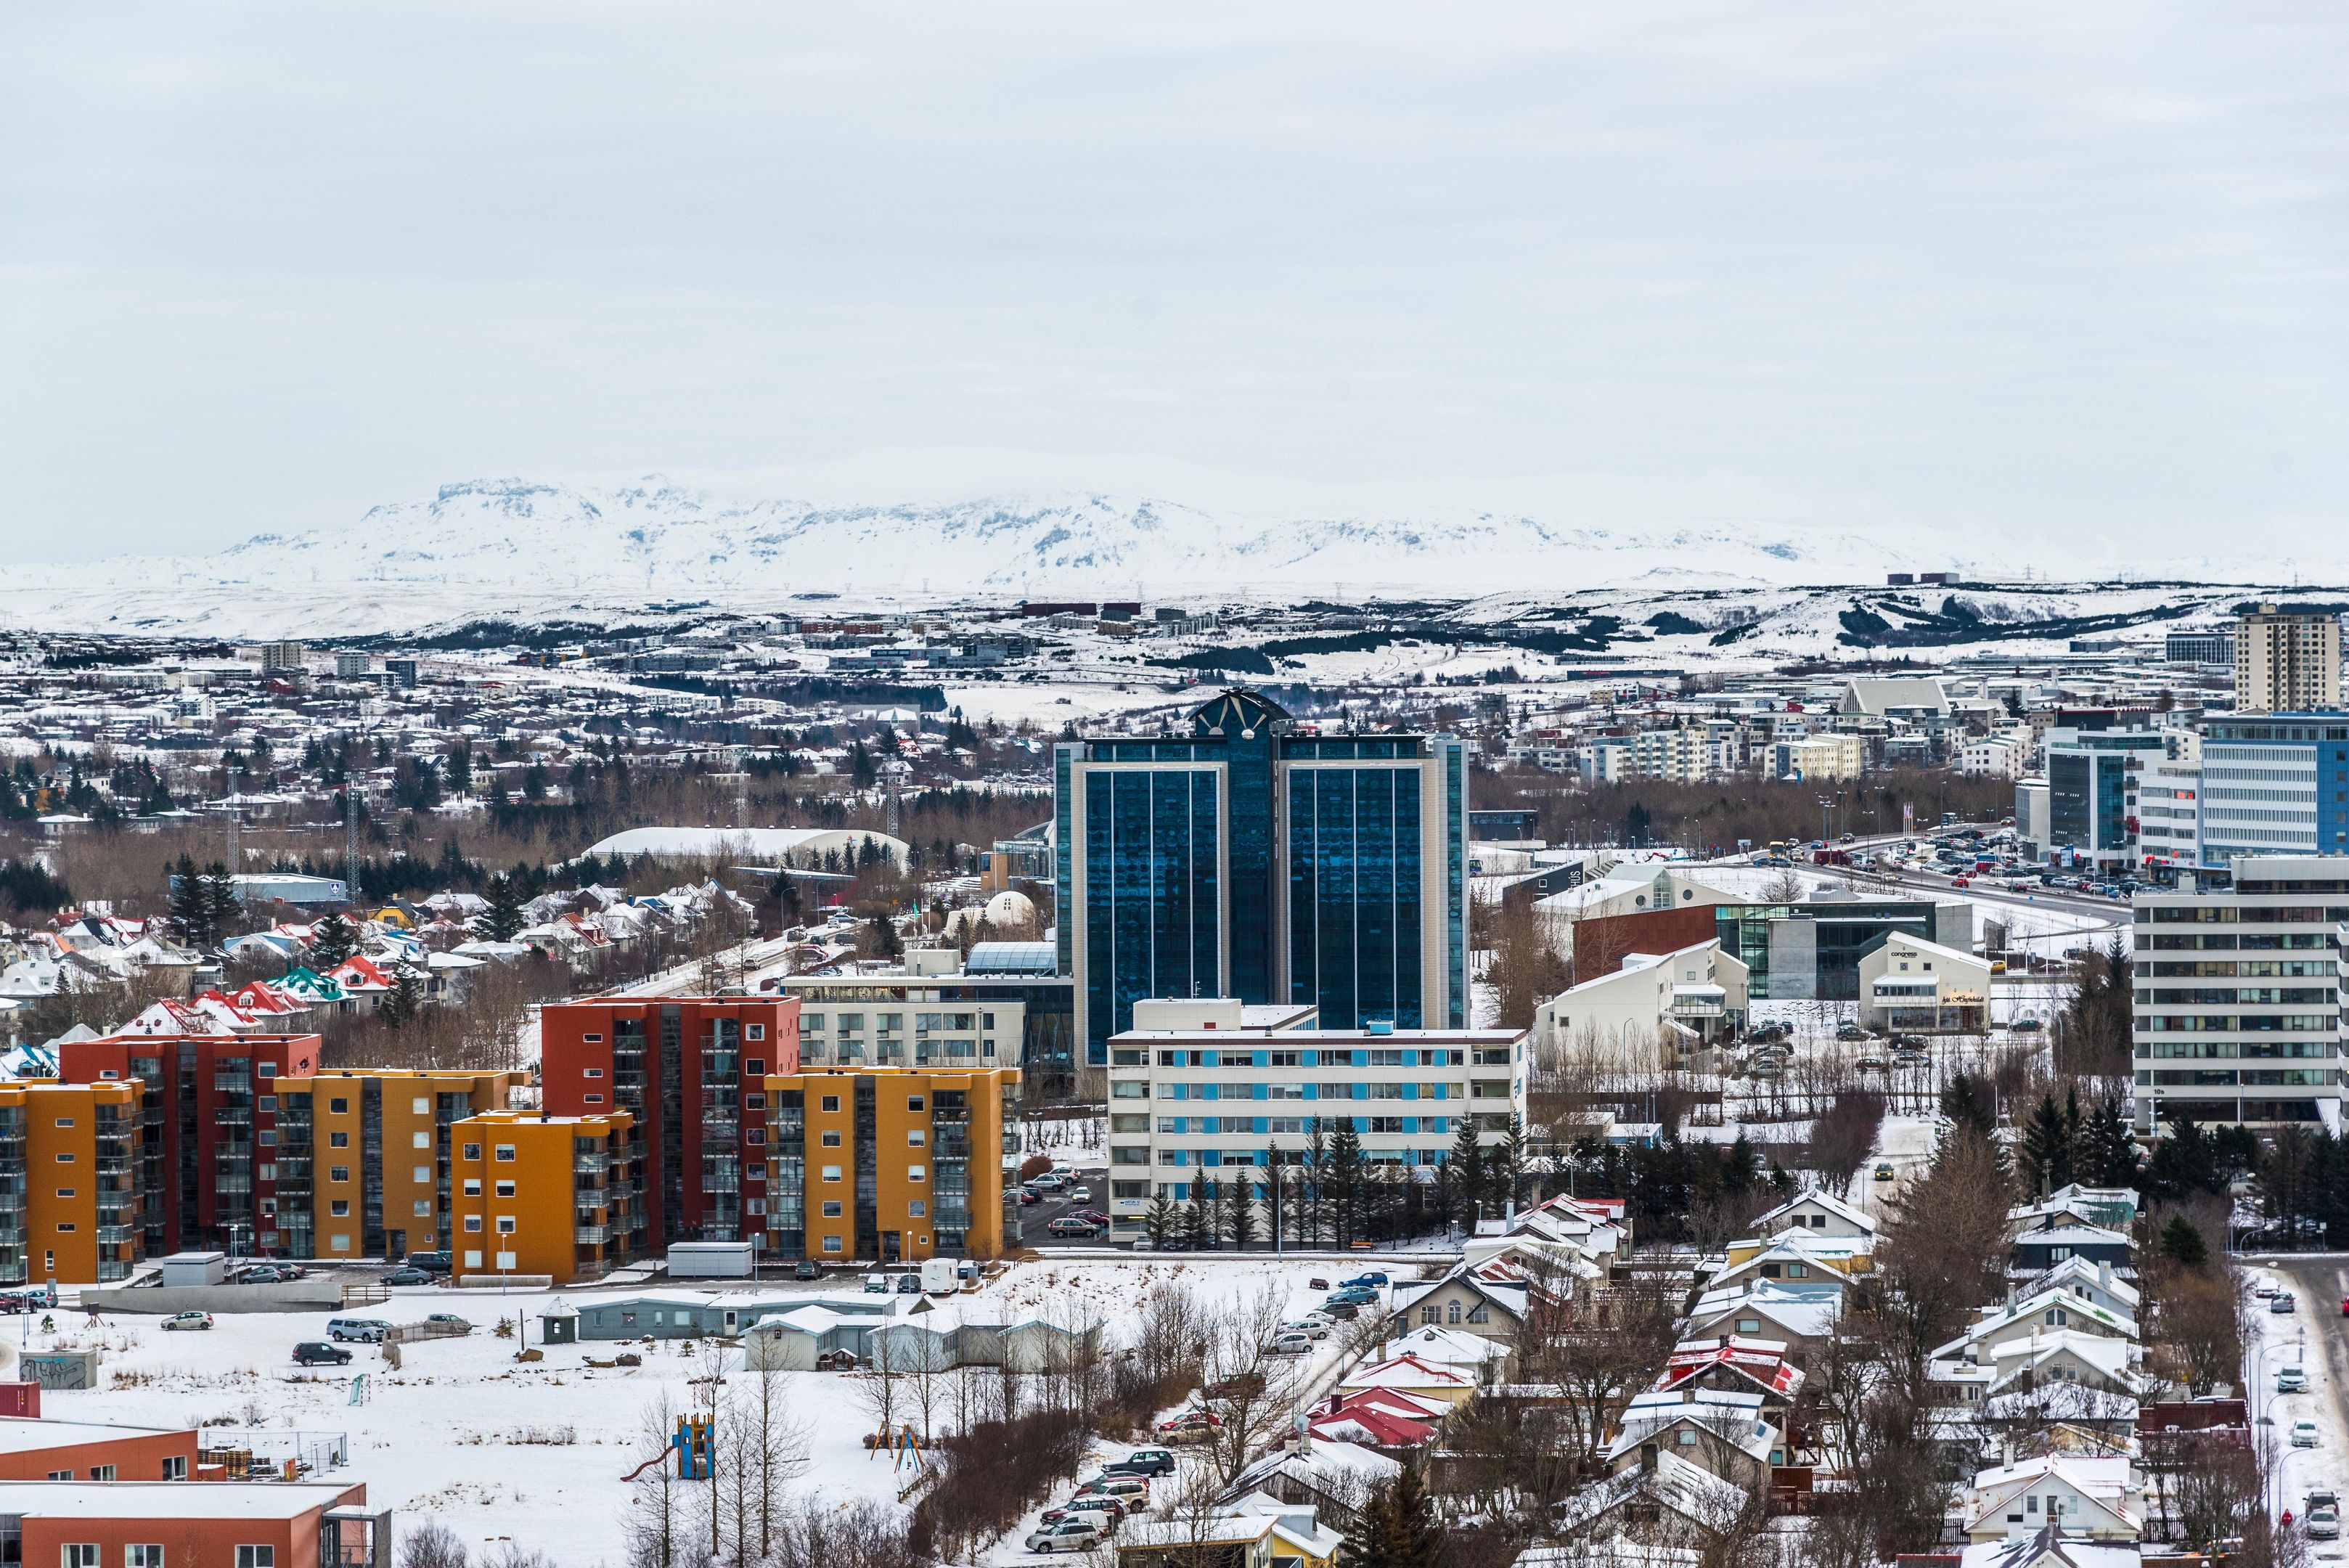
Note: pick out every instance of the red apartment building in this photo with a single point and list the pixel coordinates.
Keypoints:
(686, 1069)
(227, 1160)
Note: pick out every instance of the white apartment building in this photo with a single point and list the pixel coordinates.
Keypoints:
(2237, 1006)
(1995, 757)
(1650, 1014)
(1607, 760)
(2169, 814)
(1209, 1090)
(1679, 754)
(1828, 756)
(2287, 663)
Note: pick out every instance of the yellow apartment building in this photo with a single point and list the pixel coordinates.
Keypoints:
(380, 1156)
(69, 1182)
(537, 1194)
(884, 1165)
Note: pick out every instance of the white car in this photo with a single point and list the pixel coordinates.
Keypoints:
(185, 1320)
(1308, 1327)
(1080, 1195)
(1074, 1534)
(2304, 1434)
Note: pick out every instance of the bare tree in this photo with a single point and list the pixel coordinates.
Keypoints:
(432, 1544)
(655, 1521)
(1249, 1387)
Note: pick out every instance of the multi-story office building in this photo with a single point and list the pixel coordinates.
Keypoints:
(2169, 817)
(2274, 784)
(545, 1195)
(2210, 647)
(2093, 759)
(1812, 949)
(71, 1185)
(2237, 1006)
(678, 1066)
(1001, 1006)
(1216, 1091)
(885, 1164)
(2287, 662)
(378, 1165)
(208, 1103)
(1253, 858)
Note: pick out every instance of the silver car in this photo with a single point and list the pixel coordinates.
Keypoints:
(1073, 1534)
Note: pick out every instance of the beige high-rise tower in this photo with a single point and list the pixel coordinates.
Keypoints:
(2287, 663)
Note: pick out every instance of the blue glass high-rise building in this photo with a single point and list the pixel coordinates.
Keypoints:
(1248, 858)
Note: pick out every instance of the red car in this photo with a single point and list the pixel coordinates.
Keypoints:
(2344, 1307)
(1191, 1426)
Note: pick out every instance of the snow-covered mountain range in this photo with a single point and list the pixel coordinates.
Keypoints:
(518, 549)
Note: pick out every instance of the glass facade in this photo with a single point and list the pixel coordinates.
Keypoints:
(1354, 894)
(1152, 889)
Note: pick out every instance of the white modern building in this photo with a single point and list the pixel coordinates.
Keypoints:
(2238, 1007)
(1919, 988)
(1652, 1013)
(1214, 1091)
(2169, 815)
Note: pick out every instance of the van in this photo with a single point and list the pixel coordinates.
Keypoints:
(940, 1277)
(365, 1329)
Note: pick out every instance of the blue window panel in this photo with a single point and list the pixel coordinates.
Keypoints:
(1260, 1126)
(1261, 1091)
(1411, 1124)
(1211, 1124)
(1182, 1192)
(1411, 1091)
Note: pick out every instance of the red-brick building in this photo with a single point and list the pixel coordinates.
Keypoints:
(227, 1163)
(189, 1524)
(691, 1071)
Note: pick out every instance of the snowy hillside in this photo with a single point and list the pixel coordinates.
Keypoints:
(519, 550)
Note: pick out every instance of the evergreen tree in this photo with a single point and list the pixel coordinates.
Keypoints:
(2183, 1243)
(2047, 1146)
(1161, 1218)
(1343, 1178)
(1465, 1162)
(1199, 1225)
(1396, 1528)
(2184, 1164)
(503, 917)
(1740, 1170)
(1239, 1211)
(406, 998)
(1510, 1163)
(1968, 1102)
(1317, 1170)
(1781, 1182)
(190, 909)
(332, 941)
(220, 902)
(2109, 1153)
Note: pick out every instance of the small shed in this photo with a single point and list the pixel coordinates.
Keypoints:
(712, 1260)
(182, 1269)
(559, 1323)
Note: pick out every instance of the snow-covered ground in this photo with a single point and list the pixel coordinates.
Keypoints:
(2273, 1341)
(496, 1448)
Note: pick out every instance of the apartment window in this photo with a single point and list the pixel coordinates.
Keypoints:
(256, 1557)
(341, 1208)
(68, 1475)
(916, 1137)
(65, 1192)
(101, 1472)
(754, 1031)
(175, 1468)
(917, 1209)
(506, 1153)
(474, 1257)
(505, 1189)
(65, 1159)
(472, 1151)
(832, 1208)
(831, 1140)
(593, 1099)
(420, 1106)
(268, 1101)
(424, 1208)
(593, 1072)
(342, 1243)
(592, 1039)
(756, 1066)
(832, 1173)
(421, 1173)
(913, 1102)
(419, 1139)
(832, 1101)
(78, 1554)
(472, 1186)
(914, 1173)
(338, 1173)
(65, 1225)
(473, 1223)
(65, 1121)
(339, 1108)
(505, 1224)
(832, 1244)
(339, 1140)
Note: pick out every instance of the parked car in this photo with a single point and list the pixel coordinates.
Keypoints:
(431, 1263)
(808, 1269)
(2024, 1026)
(2290, 1380)
(1367, 1281)
(405, 1276)
(1078, 1195)
(2324, 1522)
(268, 1275)
(448, 1319)
(877, 1284)
(2280, 1301)
(1850, 1032)
(1344, 1312)
(1077, 1533)
(182, 1320)
(1134, 1488)
(2304, 1434)
(909, 1284)
(1029, 1195)
(1355, 1295)
(1142, 1463)
(315, 1352)
(1050, 1181)
(1109, 1509)
(1307, 1327)
(1094, 1215)
(1072, 1225)
(1292, 1343)
(1190, 1427)
(365, 1330)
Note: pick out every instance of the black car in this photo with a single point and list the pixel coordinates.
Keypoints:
(318, 1352)
(411, 1275)
(431, 1263)
(1344, 1312)
(808, 1269)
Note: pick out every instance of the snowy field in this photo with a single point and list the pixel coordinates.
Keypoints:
(535, 1452)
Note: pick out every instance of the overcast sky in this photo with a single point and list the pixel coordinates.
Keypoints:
(2068, 272)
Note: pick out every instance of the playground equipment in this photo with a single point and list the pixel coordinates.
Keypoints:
(694, 1443)
(903, 1443)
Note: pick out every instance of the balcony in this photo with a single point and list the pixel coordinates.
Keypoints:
(592, 1235)
(116, 1235)
(590, 1164)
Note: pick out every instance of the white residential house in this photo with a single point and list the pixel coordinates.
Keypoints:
(1654, 1012)
(1816, 1213)
(2094, 1498)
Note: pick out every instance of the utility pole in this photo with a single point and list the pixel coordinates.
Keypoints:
(350, 834)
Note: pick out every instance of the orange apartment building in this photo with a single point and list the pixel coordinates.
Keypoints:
(886, 1165)
(70, 1186)
(540, 1194)
(34, 1449)
(381, 1167)
(211, 1524)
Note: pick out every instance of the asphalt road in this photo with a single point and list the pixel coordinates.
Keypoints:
(2321, 1285)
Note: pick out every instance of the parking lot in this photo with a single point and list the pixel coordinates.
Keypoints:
(1035, 1220)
